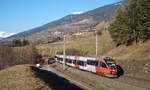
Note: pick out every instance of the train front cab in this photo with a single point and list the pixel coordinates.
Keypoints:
(105, 68)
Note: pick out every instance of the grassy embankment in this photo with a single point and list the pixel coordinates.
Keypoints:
(28, 77)
(20, 77)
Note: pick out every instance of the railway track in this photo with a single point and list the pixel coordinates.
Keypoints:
(92, 81)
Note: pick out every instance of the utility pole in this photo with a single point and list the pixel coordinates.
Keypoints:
(96, 42)
(64, 52)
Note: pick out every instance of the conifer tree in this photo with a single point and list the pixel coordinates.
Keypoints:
(131, 23)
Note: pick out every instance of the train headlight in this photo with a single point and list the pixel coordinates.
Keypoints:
(113, 70)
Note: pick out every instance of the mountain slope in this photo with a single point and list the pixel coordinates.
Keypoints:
(71, 23)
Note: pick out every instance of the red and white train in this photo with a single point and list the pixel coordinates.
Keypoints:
(103, 65)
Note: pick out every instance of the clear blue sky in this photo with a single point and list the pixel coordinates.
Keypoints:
(20, 15)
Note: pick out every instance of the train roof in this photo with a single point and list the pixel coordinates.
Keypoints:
(90, 56)
(84, 58)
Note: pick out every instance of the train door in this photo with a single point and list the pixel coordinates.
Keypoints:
(72, 61)
(85, 65)
(76, 62)
(82, 65)
(82, 62)
(91, 65)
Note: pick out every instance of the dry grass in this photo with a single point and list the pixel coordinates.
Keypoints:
(84, 43)
(20, 77)
(139, 51)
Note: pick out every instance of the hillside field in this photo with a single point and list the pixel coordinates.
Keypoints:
(85, 43)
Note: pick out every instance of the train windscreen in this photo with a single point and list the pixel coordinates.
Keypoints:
(111, 65)
(108, 59)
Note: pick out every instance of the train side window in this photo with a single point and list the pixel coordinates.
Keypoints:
(74, 61)
(93, 63)
(96, 63)
(88, 62)
(103, 65)
(66, 60)
(69, 60)
(77, 62)
(81, 63)
(60, 59)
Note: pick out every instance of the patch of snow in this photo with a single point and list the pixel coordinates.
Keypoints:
(77, 13)
(4, 34)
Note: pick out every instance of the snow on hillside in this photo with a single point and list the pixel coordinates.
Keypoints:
(4, 34)
(77, 13)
